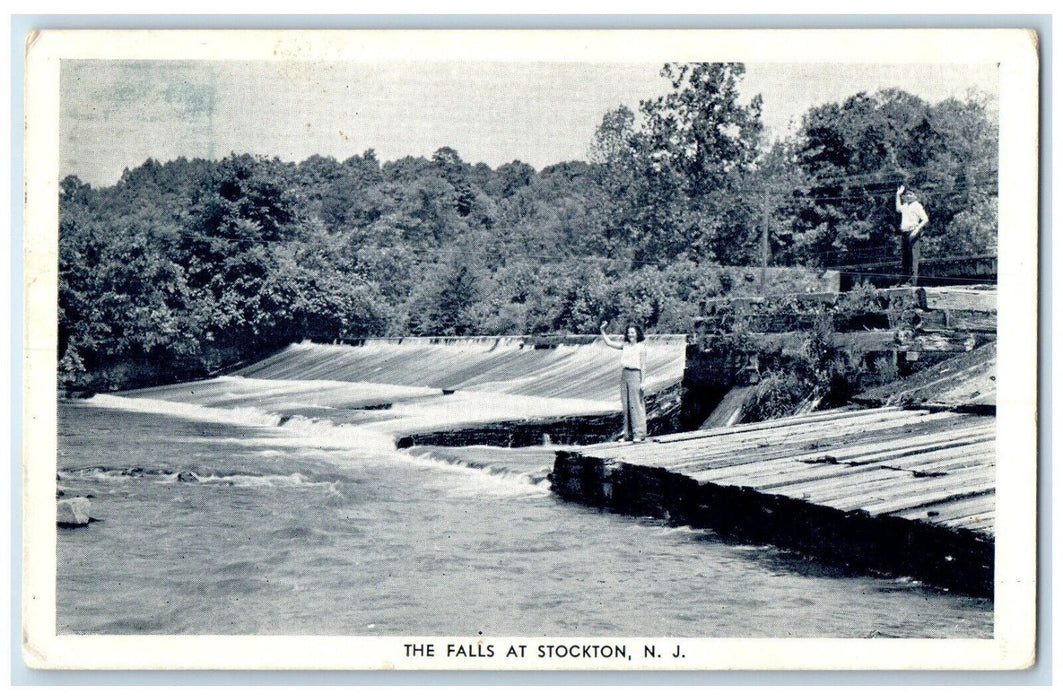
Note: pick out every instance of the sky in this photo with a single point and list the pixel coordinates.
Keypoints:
(117, 114)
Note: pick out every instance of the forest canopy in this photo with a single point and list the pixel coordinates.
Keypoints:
(183, 268)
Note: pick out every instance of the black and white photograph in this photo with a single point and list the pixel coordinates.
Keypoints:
(530, 350)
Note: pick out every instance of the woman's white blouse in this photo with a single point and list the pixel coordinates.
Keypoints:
(633, 356)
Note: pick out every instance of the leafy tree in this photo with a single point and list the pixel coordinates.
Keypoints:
(700, 129)
(354, 198)
(856, 153)
(618, 181)
(671, 181)
(445, 304)
(322, 293)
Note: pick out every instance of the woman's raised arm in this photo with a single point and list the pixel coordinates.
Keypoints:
(608, 341)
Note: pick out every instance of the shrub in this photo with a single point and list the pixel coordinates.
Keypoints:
(778, 394)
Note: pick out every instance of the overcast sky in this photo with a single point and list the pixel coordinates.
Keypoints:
(118, 114)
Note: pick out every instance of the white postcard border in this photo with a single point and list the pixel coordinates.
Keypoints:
(1015, 601)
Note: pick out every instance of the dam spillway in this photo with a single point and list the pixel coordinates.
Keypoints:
(505, 365)
(505, 391)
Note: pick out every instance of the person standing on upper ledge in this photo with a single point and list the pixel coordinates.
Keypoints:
(913, 219)
(632, 373)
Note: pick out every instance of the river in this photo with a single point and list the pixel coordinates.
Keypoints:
(229, 515)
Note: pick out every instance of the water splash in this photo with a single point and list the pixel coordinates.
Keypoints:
(299, 429)
(476, 480)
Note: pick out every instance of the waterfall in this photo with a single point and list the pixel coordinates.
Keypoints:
(506, 365)
(368, 396)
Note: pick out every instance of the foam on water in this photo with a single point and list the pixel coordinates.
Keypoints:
(325, 433)
(299, 430)
(280, 395)
(244, 415)
(474, 481)
(475, 407)
(375, 441)
(294, 480)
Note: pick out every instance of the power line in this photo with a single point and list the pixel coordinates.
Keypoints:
(894, 177)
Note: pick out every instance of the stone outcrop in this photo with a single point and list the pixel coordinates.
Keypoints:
(73, 512)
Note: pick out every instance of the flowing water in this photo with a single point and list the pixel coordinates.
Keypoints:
(275, 503)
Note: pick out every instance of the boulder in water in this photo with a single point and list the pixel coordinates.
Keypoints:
(188, 477)
(73, 512)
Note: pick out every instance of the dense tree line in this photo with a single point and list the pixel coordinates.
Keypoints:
(183, 268)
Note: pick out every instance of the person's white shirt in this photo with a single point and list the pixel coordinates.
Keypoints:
(912, 215)
(633, 356)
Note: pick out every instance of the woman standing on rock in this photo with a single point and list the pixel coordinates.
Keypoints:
(632, 372)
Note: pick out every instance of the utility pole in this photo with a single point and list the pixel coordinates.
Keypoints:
(765, 249)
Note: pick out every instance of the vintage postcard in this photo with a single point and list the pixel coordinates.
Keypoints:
(530, 350)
